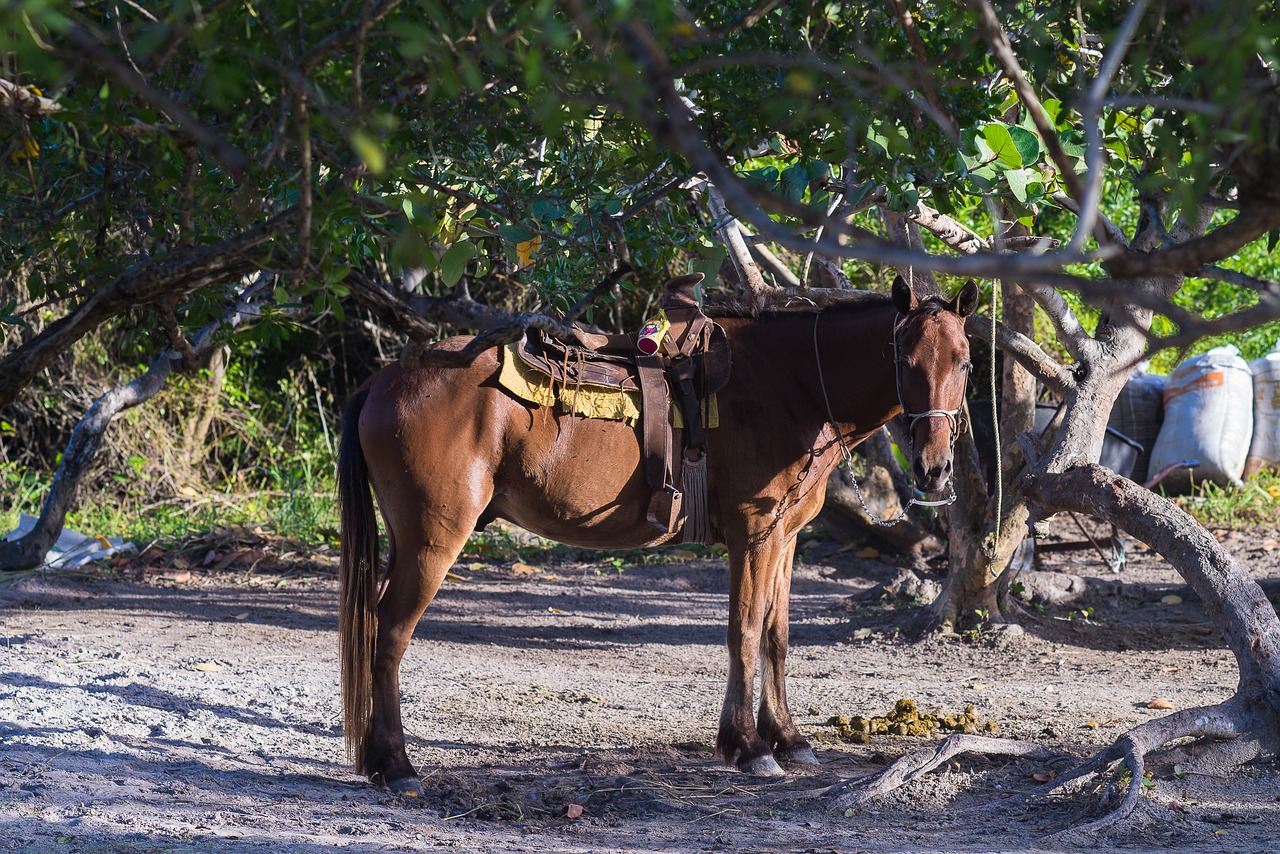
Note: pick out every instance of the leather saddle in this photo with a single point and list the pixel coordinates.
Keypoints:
(692, 363)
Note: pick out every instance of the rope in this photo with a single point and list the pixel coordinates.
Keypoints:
(995, 426)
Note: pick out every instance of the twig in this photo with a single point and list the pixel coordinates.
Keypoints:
(1091, 113)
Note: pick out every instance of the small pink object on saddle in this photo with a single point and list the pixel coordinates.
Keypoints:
(650, 339)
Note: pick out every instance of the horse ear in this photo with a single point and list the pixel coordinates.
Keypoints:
(904, 299)
(967, 300)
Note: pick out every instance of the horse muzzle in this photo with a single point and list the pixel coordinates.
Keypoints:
(932, 475)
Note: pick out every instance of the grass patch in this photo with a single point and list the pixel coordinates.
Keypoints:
(299, 504)
(1254, 503)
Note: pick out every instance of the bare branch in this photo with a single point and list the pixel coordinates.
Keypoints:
(82, 46)
(1114, 232)
(1235, 277)
(677, 129)
(605, 285)
(26, 103)
(31, 549)
(917, 49)
(1091, 115)
(1253, 222)
(1065, 323)
(174, 275)
(726, 225)
(1025, 351)
(766, 257)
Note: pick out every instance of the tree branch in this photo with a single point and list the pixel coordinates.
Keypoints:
(24, 102)
(727, 227)
(85, 46)
(31, 549)
(1253, 222)
(1025, 351)
(174, 275)
(1091, 115)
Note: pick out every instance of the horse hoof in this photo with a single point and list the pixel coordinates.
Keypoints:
(762, 766)
(799, 756)
(407, 787)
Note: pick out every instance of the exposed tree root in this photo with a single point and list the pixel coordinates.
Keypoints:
(1230, 720)
(859, 790)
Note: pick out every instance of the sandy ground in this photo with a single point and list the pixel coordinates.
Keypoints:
(189, 703)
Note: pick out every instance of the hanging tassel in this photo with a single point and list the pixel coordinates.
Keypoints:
(697, 521)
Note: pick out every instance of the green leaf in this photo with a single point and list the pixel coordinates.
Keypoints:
(369, 150)
(409, 250)
(546, 210)
(1013, 146)
(1027, 143)
(795, 180)
(1053, 109)
(455, 261)
(1017, 180)
(515, 233)
(902, 198)
(855, 197)
(1001, 142)
(766, 175)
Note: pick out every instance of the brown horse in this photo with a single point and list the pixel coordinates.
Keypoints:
(447, 450)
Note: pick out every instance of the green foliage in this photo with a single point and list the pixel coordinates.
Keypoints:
(1235, 507)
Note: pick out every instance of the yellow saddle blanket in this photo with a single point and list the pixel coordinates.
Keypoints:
(582, 399)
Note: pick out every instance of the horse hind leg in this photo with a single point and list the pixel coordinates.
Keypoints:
(775, 723)
(417, 564)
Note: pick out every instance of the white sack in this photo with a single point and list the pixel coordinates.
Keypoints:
(1208, 416)
(1265, 450)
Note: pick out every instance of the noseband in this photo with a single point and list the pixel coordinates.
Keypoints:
(955, 419)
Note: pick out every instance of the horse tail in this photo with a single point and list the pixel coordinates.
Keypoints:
(357, 597)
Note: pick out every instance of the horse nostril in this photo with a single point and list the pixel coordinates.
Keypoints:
(919, 469)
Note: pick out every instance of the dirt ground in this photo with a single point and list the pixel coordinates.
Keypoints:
(189, 702)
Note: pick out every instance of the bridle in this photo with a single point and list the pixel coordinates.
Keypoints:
(955, 419)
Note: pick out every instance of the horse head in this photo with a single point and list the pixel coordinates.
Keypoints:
(931, 361)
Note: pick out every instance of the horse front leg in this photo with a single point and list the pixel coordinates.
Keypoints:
(752, 585)
(775, 723)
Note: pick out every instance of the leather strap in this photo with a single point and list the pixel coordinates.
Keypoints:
(653, 408)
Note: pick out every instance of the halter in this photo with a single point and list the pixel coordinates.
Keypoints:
(955, 419)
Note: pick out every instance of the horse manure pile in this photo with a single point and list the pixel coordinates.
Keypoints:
(906, 719)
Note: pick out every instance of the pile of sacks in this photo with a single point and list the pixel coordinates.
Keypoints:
(1215, 408)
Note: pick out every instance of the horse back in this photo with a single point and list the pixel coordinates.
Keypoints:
(448, 445)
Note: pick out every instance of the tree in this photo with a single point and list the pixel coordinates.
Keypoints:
(1088, 159)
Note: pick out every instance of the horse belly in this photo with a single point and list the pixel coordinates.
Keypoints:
(576, 481)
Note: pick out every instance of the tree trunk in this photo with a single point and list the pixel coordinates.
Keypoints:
(196, 432)
(987, 524)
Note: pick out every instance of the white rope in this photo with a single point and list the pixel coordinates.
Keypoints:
(995, 425)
